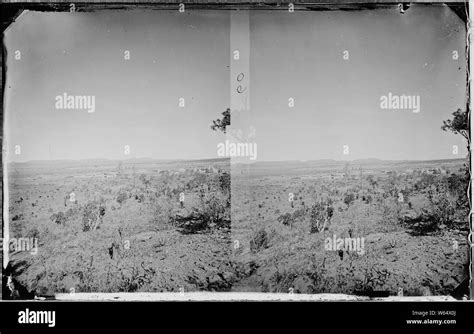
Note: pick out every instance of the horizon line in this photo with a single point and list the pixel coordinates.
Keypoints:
(227, 158)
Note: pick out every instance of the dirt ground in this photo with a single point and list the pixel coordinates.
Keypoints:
(136, 247)
(397, 258)
(252, 237)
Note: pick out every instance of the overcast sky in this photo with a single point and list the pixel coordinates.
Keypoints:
(337, 102)
(174, 55)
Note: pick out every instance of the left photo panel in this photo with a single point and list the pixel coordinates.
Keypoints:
(112, 179)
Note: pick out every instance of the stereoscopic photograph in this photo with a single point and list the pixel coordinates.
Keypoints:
(238, 153)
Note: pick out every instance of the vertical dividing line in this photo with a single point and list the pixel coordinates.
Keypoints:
(239, 69)
(239, 62)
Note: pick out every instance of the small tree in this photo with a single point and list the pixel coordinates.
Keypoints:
(93, 212)
(221, 124)
(459, 124)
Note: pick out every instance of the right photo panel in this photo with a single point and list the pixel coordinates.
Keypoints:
(350, 168)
